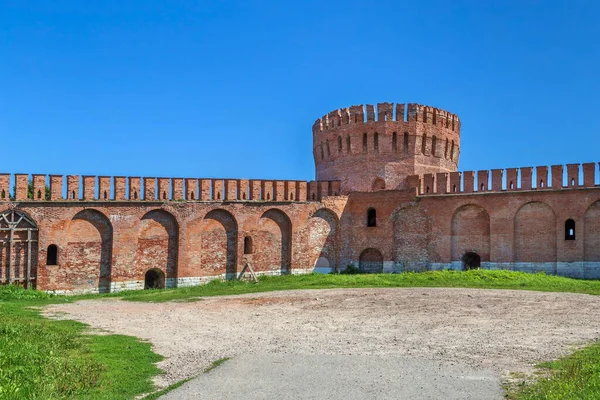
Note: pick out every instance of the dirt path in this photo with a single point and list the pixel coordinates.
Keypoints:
(498, 330)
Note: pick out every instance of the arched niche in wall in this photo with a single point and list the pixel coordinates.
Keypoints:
(323, 237)
(274, 251)
(158, 242)
(591, 234)
(89, 251)
(470, 232)
(412, 229)
(220, 243)
(535, 233)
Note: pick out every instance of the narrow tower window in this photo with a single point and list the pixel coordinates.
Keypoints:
(452, 151)
(371, 217)
(376, 142)
(569, 229)
(394, 142)
(348, 144)
(406, 142)
(52, 255)
(364, 142)
(446, 149)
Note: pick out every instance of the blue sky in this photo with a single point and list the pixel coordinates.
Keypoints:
(231, 88)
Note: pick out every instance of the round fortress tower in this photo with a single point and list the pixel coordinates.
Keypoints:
(370, 149)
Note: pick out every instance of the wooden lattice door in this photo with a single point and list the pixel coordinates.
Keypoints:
(18, 249)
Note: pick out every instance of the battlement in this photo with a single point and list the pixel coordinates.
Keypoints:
(42, 188)
(571, 176)
(385, 112)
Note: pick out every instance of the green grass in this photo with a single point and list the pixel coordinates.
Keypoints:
(469, 279)
(50, 359)
(574, 377)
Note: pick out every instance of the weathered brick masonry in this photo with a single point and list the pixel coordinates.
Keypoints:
(387, 198)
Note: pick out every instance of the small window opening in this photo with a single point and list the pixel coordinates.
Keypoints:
(482, 187)
(268, 196)
(371, 217)
(376, 142)
(454, 188)
(446, 149)
(339, 144)
(291, 196)
(164, 195)
(39, 194)
(427, 189)
(364, 142)
(348, 144)
(219, 196)
(244, 196)
(406, 142)
(541, 184)
(512, 186)
(3, 195)
(73, 194)
(192, 196)
(424, 144)
(572, 181)
(247, 245)
(394, 142)
(313, 196)
(569, 229)
(135, 195)
(52, 255)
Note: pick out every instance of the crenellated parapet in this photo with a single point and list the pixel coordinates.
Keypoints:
(387, 112)
(365, 144)
(555, 177)
(121, 188)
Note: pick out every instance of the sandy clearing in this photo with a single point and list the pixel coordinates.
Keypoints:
(500, 330)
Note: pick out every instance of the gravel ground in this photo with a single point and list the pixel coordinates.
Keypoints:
(493, 330)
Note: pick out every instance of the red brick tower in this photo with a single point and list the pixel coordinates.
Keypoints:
(370, 149)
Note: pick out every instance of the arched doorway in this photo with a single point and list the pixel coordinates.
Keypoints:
(371, 261)
(18, 248)
(471, 261)
(154, 279)
(322, 266)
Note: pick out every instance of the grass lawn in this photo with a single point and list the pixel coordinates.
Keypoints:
(48, 359)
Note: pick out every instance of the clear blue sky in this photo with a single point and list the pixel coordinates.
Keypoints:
(232, 88)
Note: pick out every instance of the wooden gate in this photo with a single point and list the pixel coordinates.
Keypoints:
(18, 249)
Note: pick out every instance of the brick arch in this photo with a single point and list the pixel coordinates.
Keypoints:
(591, 232)
(89, 252)
(470, 232)
(323, 238)
(535, 235)
(220, 243)
(274, 237)
(158, 242)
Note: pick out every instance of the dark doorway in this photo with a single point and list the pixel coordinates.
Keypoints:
(154, 279)
(471, 261)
